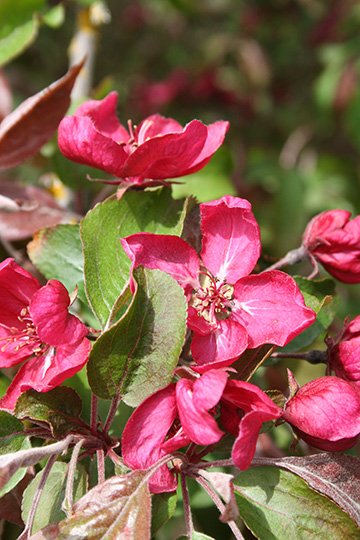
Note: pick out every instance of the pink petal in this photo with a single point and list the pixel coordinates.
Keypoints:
(327, 408)
(144, 434)
(224, 344)
(197, 423)
(215, 137)
(169, 155)
(17, 287)
(13, 351)
(208, 388)
(49, 312)
(80, 141)
(244, 447)
(103, 114)
(231, 238)
(323, 224)
(43, 373)
(156, 125)
(271, 308)
(344, 356)
(170, 254)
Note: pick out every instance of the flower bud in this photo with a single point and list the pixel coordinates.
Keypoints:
(334, 240)
(344, 353)
(325, 413)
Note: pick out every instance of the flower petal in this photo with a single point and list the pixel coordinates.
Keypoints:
(13, 351)
(43, 373)
(169, 155)
(222, 346)
(49, 312)
(103, 114)
(231, 238)
(198, 424)
(170, 254)
(144, 434)
(17, 287)
(271, 308)
(156, 125)
(80, 141)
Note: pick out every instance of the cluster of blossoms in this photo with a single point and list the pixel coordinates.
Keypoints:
(229, 309)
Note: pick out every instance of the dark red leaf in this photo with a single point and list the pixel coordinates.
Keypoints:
(29, 126)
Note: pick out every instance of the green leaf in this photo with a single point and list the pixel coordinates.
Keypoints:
(319, 296)
(163, 508)
(49, 508)
(278, 505)
(12, 440)
(59, 408)
(196, 536)
(18, 40)
(57, 253)
(107, 266)
(55, 16)
(138, 355)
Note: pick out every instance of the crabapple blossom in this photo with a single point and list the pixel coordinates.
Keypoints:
(36, 328)
(344, 353)
(158, 149)
(228, 310)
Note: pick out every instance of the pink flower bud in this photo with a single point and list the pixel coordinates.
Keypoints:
(334, 240)
(344, 354)
(325, 413)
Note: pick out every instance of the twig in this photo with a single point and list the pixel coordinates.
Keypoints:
(313, 357)
(187, 507)
(292, 257)
(100, 465)
(93, 412)
(112, 411)
(69, 490)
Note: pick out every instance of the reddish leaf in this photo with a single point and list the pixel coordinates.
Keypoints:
(251, 360)
(26, 209)
(5, 97)
(118, 508)
(336, 476)
(27, 128)
(10, 504)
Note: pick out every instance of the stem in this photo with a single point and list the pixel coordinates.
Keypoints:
(314, 357)
(30, 521)
(69, 490)
(220, 506)
(292, 257)
(100, 466)
(112, 411)
(94, 412)
(187, 507)
(218, 463)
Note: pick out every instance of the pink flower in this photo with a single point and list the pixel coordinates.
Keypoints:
(344, 353)
(159, 148)
(325, 413)
(228, 310)
(334, 240)
(185, 412)
(35, 326)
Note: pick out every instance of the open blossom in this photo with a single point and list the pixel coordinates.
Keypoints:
(228, 310)
(334, 240)
(344, 353)
(186, 412)
(36, 327)
(325, 413)
(157, 149)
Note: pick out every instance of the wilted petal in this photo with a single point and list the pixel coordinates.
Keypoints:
(144, 434)
(80, 141)
(17, 287)
(222, 346)
(45, 372)
(169, 155)
(49, 312)
(170, 254)
(231, 238)
(271, 308)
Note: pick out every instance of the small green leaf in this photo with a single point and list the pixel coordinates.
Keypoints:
(59, 409)
(163, 508)
(138, 355)
(107, 267)
(12, 440)
(49, 508)
(278, 505)
(55, 16)
(57, 253)
(18, 40)
(319, 296)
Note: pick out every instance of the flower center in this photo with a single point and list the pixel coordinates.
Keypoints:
(25, 336)
(214, 299)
